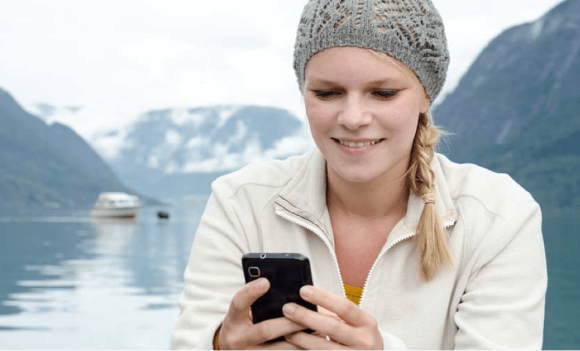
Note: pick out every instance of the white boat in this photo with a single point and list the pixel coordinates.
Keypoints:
(119, 205)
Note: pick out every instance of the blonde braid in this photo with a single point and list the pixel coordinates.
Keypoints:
(431, 236)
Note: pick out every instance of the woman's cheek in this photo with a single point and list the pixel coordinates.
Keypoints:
(319, 117)
(401, 117)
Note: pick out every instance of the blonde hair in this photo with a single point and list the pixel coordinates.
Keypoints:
(431, 236)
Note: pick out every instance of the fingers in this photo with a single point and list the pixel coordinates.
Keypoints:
(239, 332)
(361, 338)
(326, 312)
(323, 324)
(353, 327)
(313, 342)
(345, 309)
(271, 329)
(281, 345)
(246, 296)
(252, 336)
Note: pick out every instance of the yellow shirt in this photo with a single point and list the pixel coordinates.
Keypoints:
(353, 293)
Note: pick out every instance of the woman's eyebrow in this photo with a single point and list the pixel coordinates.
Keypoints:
(381, 81)
(385, 83)
(377, 82)
(322, 81)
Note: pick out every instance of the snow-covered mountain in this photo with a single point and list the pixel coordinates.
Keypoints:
(213, 139)
(176, 152)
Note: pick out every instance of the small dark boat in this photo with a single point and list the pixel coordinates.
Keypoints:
(163, 215)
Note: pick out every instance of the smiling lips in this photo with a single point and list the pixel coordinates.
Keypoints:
(357, 144)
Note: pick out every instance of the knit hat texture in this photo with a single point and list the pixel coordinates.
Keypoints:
(409, 30)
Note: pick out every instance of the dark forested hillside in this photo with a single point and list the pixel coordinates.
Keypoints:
(47, 166)
(517, 109)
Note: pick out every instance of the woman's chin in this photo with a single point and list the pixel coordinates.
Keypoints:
(383, 170)
(358, 176)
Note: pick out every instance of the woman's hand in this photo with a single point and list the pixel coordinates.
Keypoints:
(349, 328)
(238, 332)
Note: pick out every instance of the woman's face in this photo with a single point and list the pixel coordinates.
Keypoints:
(363, 112)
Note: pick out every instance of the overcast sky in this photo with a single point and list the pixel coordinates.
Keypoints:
(122, 58)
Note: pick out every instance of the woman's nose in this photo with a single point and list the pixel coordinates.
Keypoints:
(353, 114)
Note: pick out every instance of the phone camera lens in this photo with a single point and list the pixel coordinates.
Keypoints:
(262, 256)
(254, 272)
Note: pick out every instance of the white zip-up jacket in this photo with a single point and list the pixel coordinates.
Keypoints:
(492, 298)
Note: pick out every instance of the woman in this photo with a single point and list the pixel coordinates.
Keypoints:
(408, 249)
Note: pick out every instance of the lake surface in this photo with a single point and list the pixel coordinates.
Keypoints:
(69, 282)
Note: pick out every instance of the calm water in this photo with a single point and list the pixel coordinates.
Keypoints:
(69, 282)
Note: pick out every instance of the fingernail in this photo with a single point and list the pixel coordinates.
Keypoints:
(288, 309)
(306, 291)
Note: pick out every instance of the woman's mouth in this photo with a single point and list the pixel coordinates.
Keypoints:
(357, 143)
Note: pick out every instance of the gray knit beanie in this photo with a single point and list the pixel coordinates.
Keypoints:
(410, 30)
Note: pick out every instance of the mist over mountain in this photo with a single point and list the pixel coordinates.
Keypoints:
(47, 166)
(517, 109)
(45, 111)
(177, 152)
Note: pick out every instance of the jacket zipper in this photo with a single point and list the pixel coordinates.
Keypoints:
(316, 231)
(383, 252)
(321, 235)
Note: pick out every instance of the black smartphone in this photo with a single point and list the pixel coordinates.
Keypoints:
(287, 273)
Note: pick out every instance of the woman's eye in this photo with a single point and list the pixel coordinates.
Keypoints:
(385, 94)
(325, 94)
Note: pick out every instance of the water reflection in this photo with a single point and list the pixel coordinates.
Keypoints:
(31, 252)
(93, 283)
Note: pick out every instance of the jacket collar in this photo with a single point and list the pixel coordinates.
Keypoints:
(305, 196)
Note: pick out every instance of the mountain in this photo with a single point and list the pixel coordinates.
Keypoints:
(517, 109)
(47, 166)
(176, 152)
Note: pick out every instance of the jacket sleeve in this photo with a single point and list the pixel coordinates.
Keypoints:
(503, 303)
(213, 274)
